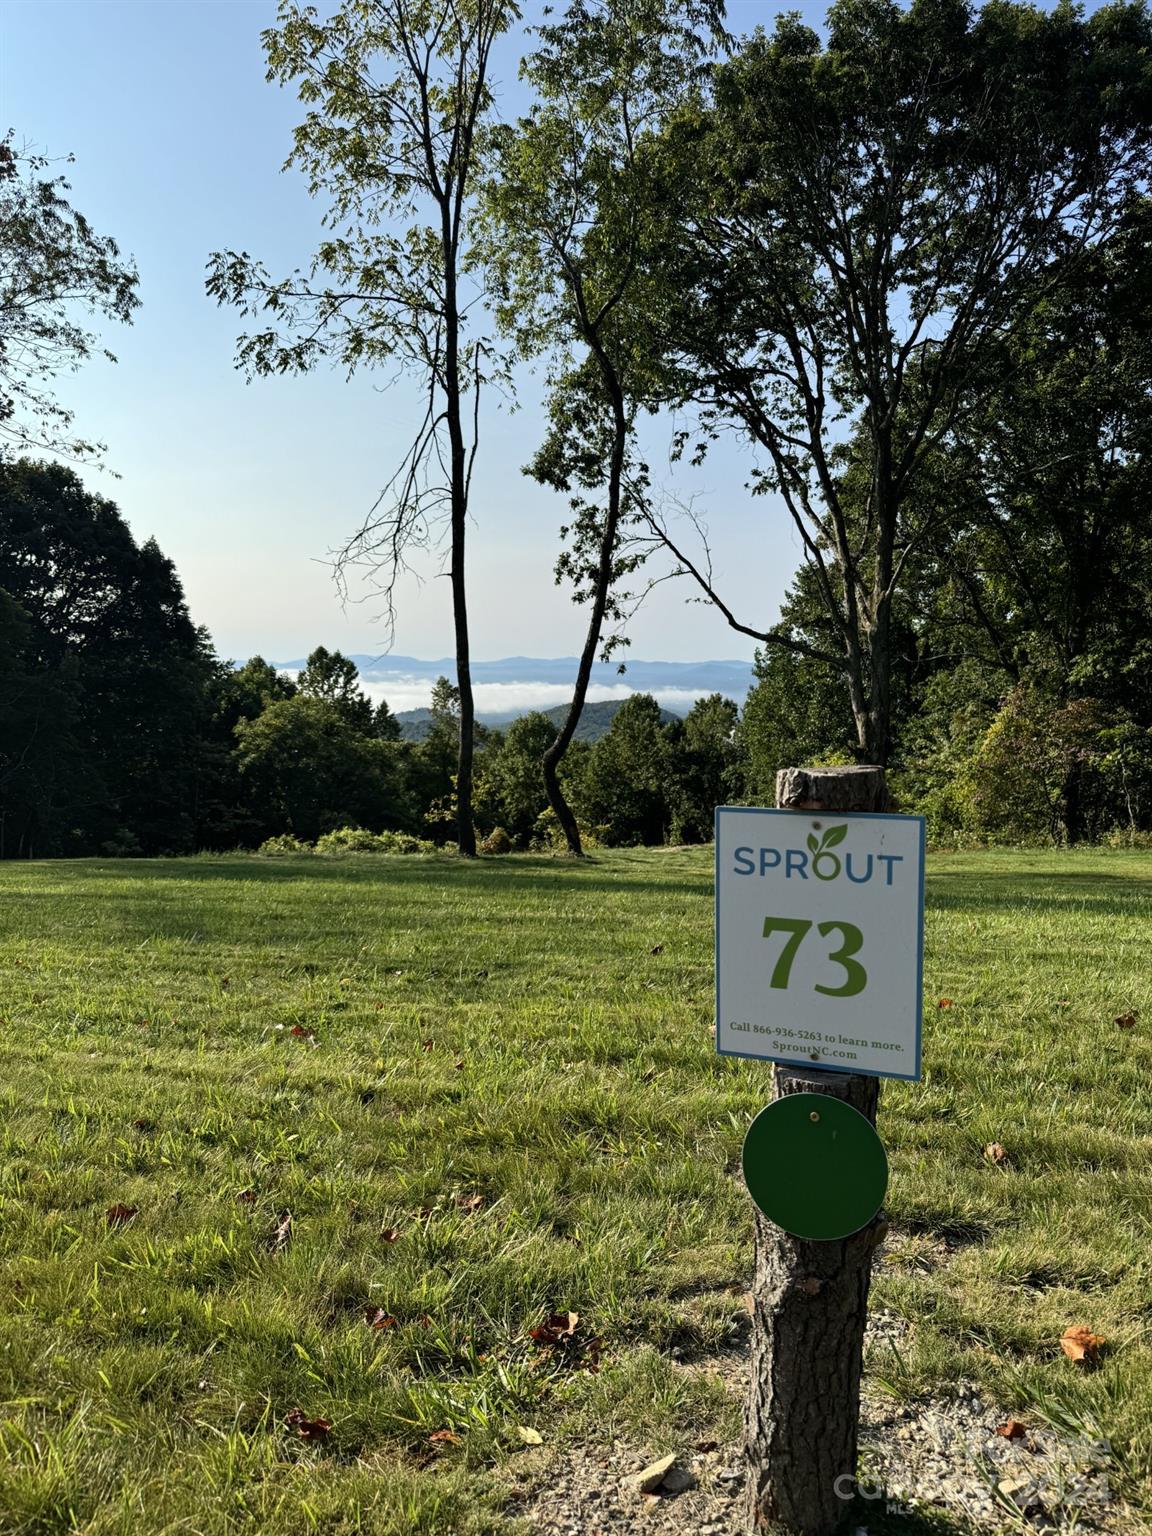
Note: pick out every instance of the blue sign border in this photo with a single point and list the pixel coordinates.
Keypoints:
(787, 1061)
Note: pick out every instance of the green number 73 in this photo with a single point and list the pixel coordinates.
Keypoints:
(855, 976)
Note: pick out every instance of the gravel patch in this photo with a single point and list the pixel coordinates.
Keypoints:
(941, 1454)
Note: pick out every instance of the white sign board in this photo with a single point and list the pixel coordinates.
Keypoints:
(820, 939)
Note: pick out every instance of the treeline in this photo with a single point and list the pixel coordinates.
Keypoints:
(905, 263)
(122, 732)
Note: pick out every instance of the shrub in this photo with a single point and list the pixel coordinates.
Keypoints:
(277, 847)
(548, 834)
(1127, 837)
(356, 840)
(348, 840)
(497, 841)
(403, 842)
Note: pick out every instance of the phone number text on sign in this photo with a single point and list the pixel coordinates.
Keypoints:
(819, 938)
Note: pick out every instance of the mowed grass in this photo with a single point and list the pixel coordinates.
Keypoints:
(502, 1102)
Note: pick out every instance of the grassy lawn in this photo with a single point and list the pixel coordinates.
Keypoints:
(485, 1094)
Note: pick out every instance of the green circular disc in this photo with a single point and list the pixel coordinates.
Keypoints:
(815, 1166)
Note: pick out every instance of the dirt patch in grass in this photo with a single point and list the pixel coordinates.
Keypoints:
(951, 1463)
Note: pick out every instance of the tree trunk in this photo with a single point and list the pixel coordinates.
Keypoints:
(1071, 805)
(810, 1298)
(603, 582)
(458, 492)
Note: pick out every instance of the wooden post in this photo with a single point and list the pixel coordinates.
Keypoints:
(810, 1298)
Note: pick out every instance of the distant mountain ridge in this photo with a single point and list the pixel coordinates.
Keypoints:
(733, 678)
(595, 719)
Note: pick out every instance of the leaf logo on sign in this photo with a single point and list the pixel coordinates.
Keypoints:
(831, 838)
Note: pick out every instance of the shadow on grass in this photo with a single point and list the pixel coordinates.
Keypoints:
(366, 869)
(1056, 892)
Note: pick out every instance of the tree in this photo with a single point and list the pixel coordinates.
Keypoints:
(311, 770)
(244, 692)
(625, 783)
(859, 227)
(52, 262)
(107, 636)
(706, 766)
(510, 792)
(40, 764)
(574, 241)
(333, 677)
(436, 757)
(1053, 471)
(385, 725)
(399, 96)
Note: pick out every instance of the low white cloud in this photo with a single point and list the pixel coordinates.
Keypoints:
(518, 698)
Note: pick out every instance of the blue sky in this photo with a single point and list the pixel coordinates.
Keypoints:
(178, 141)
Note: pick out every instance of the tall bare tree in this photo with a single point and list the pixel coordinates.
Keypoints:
(399, 95)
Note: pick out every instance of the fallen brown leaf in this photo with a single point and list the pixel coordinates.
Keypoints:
(301, 1033)
(560, 1335)
(306, 1428)
(441, 1436)
(143, 1125)
(1128, 1020)
(657, 949)
(1012, 1430)
(995, 1152)
(378, 1318)
(389, 1234)
(427, 1045)
(1081, 1344)
(246, 1197)
(529, 1435)
(120, 1215)
(944, 1002)
(555, 1329)
(470, 1203)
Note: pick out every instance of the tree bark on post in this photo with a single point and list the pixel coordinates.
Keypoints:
(810, 1299)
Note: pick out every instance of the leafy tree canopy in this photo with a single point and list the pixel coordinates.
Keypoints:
(52, 264)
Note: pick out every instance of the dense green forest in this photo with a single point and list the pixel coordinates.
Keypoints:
(905, 264)
(122, 731)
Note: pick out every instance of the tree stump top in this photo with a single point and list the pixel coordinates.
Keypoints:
(855, 788)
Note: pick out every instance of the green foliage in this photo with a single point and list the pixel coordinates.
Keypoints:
(625, 781)
(836, 264)
(795, 713)
(510, 781)
(52, 262)
(103, 710)
(333, 678)
(283, 845)
(706, 767)
(356, 840)
(1037, 769)
(497, 841)
(310, 771)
